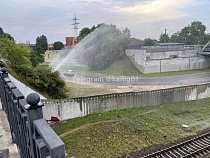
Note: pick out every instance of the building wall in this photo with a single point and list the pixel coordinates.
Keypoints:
(69, 42)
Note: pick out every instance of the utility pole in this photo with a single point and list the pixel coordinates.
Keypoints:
(165, 35)
(75, 24)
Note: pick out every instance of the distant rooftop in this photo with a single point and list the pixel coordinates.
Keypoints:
(167, 44)
(136, 43)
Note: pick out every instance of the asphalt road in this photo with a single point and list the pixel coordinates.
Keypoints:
(123, 80)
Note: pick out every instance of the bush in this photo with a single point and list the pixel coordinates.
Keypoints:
(48, 82)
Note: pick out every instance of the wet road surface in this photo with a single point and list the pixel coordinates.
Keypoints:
(123, 80)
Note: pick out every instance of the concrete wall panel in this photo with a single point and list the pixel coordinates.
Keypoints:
(154, 97)
(191, 93)
(157, 55)
(179, 94)
(202, 91)
(152, 66)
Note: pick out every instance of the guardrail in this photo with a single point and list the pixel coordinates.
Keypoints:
(31, 133)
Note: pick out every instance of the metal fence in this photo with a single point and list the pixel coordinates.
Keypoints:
(31, 133)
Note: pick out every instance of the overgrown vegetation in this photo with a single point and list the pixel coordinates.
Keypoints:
(107, 45)
(25, 64)
(118, 133)
(46, 81)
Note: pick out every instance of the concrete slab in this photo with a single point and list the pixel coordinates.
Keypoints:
(5, 136)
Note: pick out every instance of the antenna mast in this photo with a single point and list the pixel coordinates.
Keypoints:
(75, 24)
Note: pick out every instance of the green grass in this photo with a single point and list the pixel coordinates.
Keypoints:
(117, 133)
(77, 90)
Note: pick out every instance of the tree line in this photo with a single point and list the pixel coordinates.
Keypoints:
(193, 34)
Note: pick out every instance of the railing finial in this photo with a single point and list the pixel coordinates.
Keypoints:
(4, 69)
(2, 64)
(32, 99)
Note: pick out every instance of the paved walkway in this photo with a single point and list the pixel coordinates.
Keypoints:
(5, 136)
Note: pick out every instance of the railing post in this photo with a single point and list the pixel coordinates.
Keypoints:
(18, 117)
(33, 108)
(3, 74)
(9, 109)
(2, 64)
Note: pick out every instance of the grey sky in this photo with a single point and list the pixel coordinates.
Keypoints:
(26, 19)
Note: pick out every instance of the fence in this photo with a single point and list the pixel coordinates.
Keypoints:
(31, 133)
(79, 107)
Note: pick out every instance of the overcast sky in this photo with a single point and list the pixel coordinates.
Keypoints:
(28, 19)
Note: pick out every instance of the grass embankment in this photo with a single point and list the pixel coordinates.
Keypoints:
(117, 133)
(125, 67)
(77, 90)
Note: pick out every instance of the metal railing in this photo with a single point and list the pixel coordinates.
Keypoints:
(31, 133)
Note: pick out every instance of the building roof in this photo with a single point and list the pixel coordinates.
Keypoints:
(167, 44)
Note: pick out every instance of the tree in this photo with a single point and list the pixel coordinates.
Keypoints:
(205, 38)
(106, 44)
(83, 33)
(191, 34)
(17, 56)
(38, 51)
(42, 42)
(58, 45)
(86, 31)
(164, 38)
(175, 38)
(37, 55)
(47, 81)
(149, 42)
(1, 32)
(6, 35)
(125, 37)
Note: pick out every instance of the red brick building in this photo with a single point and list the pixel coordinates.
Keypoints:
(69, 42)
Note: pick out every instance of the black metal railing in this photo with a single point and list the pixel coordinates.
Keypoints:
(31, 133)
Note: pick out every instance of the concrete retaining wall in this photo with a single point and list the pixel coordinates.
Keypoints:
(79, 107)
(168, 54)
(176, 64)
(161, 61)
